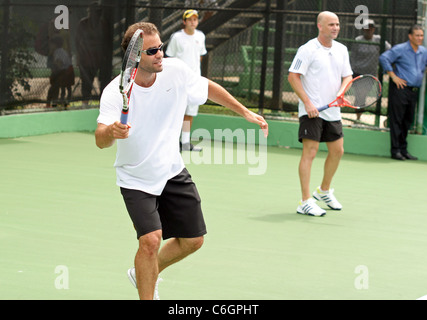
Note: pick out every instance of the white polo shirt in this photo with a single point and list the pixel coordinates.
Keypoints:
(188, 48)
(150, 156)
(322, 70)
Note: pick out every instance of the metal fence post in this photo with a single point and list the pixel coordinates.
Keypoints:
(4, 53)
(279, 49)
(264, 56)
(156, 15)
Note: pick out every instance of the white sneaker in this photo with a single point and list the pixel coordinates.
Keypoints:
(328, 198)
(132, 276)
(132, 279)
(309, 207)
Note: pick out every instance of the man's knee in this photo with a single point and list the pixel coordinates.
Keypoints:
(150, 242)
(310, 148)
(336, 150)
(191, 244)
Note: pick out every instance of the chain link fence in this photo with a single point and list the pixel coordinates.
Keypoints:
(239, 64)
(61, 54)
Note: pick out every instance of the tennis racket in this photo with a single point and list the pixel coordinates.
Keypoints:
(129, 70)
(361, 92)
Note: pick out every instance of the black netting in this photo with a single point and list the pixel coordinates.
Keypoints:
(63, 53)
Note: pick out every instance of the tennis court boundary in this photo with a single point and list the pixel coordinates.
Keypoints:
(281, 133)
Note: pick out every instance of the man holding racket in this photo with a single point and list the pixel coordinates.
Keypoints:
(319, 73)
(161, 198)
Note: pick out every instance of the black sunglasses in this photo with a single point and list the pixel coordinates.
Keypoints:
(153, 51)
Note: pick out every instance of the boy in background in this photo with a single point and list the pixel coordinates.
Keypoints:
(188, 45)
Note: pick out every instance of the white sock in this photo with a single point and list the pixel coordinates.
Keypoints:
(185, 137)
(323, 191)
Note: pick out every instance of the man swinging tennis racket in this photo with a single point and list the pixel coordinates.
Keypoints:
(160, 196)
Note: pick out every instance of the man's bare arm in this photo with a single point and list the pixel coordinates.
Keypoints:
(105, 136)
(221, 96)
(296, 84)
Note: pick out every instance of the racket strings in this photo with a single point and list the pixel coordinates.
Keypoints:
(131, 60)
(364, 92)
(134, 54)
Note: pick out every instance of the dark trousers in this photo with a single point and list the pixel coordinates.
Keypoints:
(87, 75)
(401, 113)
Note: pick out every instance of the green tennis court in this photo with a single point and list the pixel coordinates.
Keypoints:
(65, 233)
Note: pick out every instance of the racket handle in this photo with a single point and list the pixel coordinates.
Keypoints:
(323, 108)
(124, 118)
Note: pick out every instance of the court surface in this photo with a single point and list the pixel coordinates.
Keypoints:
(65, 233)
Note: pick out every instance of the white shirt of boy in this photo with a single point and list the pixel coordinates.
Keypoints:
(188, 48)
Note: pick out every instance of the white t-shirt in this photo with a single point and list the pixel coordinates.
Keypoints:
(322, 70)
(150, 155)
(188, 48)
(364, 57)
(61, 59)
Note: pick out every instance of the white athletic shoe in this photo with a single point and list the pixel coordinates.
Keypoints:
(132, 276)
(328, 198)
(132, 279)
(309, 207)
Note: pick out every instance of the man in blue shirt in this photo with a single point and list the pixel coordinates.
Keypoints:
(405, 63)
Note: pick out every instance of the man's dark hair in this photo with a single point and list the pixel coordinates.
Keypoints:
(415, 27)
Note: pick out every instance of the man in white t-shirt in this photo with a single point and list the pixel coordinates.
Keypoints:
(365, 53)
(160, 196)
(364, 56)
(318, 74)
(188, 45)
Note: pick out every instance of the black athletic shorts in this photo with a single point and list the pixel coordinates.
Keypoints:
(177, 211)
(319, 130)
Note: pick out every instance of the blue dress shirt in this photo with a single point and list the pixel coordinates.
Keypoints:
(408, 64)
